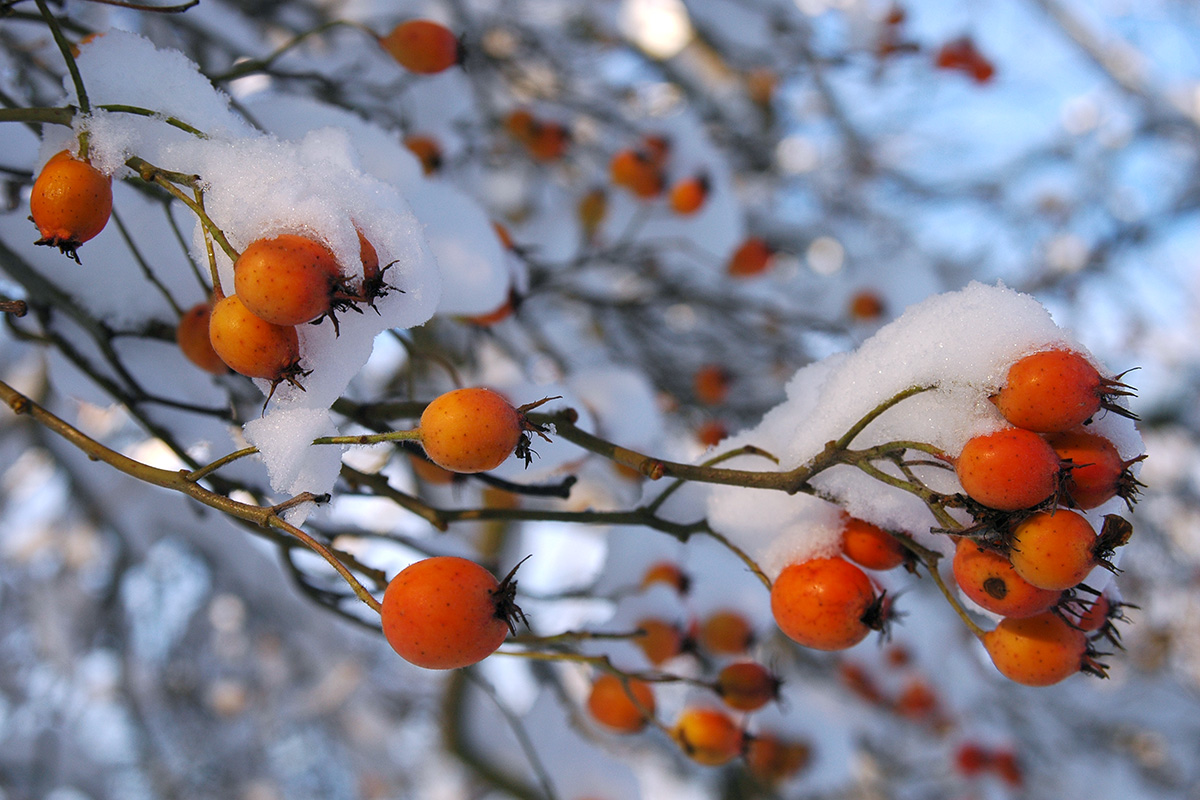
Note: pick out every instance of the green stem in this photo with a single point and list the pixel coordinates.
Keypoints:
(174, 122)
(168, 180)
(52, 116)
(64, 47)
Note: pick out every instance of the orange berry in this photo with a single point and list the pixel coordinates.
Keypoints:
(824, 603)
(708, 736)
(866, 306)
(711, 384)
(752, 257)
(548, 141)
(1036, 651)
(423, 46)
(771, 758)
(470, 430)
(688, 196)
(1054, 550)
(660, 641)
(726, 632)
(427, 151)
(70, 203)
(1051, 391)
(988, 578)
(667, 572)
(871, 546)
(746, 685)
(623, 707)
(287, 279)
(447, 612)
(711, 432)
(1097, 473)
(250, 345)
(520, 124)
(917, 701)
(1008, 470)
(191, 334)
(1096, 615)
(639, 173)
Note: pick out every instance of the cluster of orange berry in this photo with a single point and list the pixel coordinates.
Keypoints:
(279, 282)
(642, 170)
(706, 733)
(1029, 553)
(829, 602)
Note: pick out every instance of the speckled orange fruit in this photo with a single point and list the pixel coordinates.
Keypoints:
(70, 203)
(445, 612)
(746, 685)
(286, 279)
(871, 546)
(250, 345)
(1036, 651)
(1053, 390)
(1008, 470)
(988, 578)
(1054, 550)
(823, 603)
(470, 430)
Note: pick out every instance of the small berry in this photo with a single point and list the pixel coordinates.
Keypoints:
(621, 706)
(447, 612)
(470, 430)
(70, 203)
(1036, 651)
(708, 736)
(1009, 470)
(191, 334)
(423, 46)
(825, 603)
